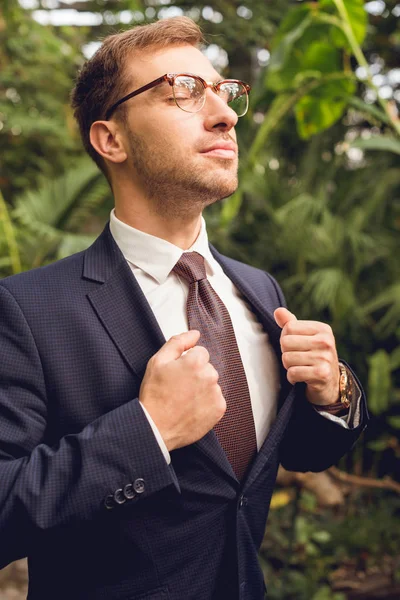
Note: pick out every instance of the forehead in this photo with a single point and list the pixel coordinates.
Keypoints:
(150, 64)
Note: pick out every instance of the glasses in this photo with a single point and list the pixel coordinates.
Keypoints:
(189, 92)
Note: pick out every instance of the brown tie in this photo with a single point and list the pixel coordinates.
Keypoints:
(207, 313)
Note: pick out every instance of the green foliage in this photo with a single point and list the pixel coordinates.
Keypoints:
(359, 536)
(50, 222)
(35, 121)
(311, 45)
(386, 143)
(379, 381)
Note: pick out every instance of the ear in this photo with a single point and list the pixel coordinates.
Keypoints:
(107, 140)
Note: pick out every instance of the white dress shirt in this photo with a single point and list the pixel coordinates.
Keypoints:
(152, 260)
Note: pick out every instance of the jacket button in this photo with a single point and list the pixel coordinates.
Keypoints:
(119, 497)
(138, 486)
(129, 492)
(242, 501)
(109, 502)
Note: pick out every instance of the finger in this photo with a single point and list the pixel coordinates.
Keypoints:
(300, 359)
(297, 343)
(211, 373)
(198, 355)
(315, 375)
(177, 344)
(283, 316)
(300, 327)
(319, 341)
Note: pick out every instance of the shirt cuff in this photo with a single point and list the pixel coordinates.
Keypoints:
(158, 436)
(352, 418)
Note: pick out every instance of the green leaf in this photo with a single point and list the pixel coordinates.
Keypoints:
(321, 57)
(378, 445)
(382, 142)
(283, 50)
(320, 109)
(379, 382)
(291, 20)
(322, 594)
(5, 261)
(330, 288)
(368, 109)
(395, 359)
(357, 19)
(310, 58)
(302, 529)
(390, 299)
(322, 537)
(312, 549)
(231, 208)
(394, 422)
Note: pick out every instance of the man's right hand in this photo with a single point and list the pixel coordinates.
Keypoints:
(180, 391)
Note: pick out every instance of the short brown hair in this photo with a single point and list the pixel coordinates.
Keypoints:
(101, 83)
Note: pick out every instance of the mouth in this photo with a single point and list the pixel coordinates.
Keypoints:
(221, 149)
(221, 153)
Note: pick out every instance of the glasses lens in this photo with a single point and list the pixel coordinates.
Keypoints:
(189, 93)
(236, 97)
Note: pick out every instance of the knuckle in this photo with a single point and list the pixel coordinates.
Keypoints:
(153, 362)
(221, 405)
(323, 371)
(327, 341)
(290, 328)
(198, 355)
(291, 375)
(204, 353)
(214, 375)
(284, 344)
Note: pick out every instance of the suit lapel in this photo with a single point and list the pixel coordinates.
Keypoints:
(121, 305)
(128, 319)
(263, 313)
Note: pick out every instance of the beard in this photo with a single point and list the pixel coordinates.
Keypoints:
(174, 187)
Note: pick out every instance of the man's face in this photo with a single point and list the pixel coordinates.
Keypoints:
(169, 153)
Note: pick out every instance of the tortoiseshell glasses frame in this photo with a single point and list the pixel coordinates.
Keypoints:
(232, 90)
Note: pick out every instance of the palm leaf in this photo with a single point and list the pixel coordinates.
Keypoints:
(52, 218)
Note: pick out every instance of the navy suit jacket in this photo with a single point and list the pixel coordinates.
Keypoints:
(85, 491)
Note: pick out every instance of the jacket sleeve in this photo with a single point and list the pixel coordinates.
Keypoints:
(313, 441)
(44, 486)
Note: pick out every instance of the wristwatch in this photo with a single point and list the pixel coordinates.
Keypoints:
(342, 406)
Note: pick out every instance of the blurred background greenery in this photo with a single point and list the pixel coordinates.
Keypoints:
(318, 206)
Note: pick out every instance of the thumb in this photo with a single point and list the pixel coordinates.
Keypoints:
(177, 345)
(283, 316)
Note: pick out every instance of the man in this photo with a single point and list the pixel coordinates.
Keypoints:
(131, 466)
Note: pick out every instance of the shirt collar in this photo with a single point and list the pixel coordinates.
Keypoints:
(153, 255)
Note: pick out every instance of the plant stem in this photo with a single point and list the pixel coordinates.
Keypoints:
(358, 53)
(9, 234)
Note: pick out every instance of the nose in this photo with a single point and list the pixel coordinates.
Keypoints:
(217, 114)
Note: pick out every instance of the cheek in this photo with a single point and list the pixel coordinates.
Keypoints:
(168, 131)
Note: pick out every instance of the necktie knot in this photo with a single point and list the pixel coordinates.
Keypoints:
(191, 267)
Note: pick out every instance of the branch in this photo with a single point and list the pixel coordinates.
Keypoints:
(386, 483)
(358, 53)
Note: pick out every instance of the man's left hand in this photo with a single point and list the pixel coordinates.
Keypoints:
(309, 355)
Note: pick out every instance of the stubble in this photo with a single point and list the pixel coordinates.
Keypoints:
(174, 187)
